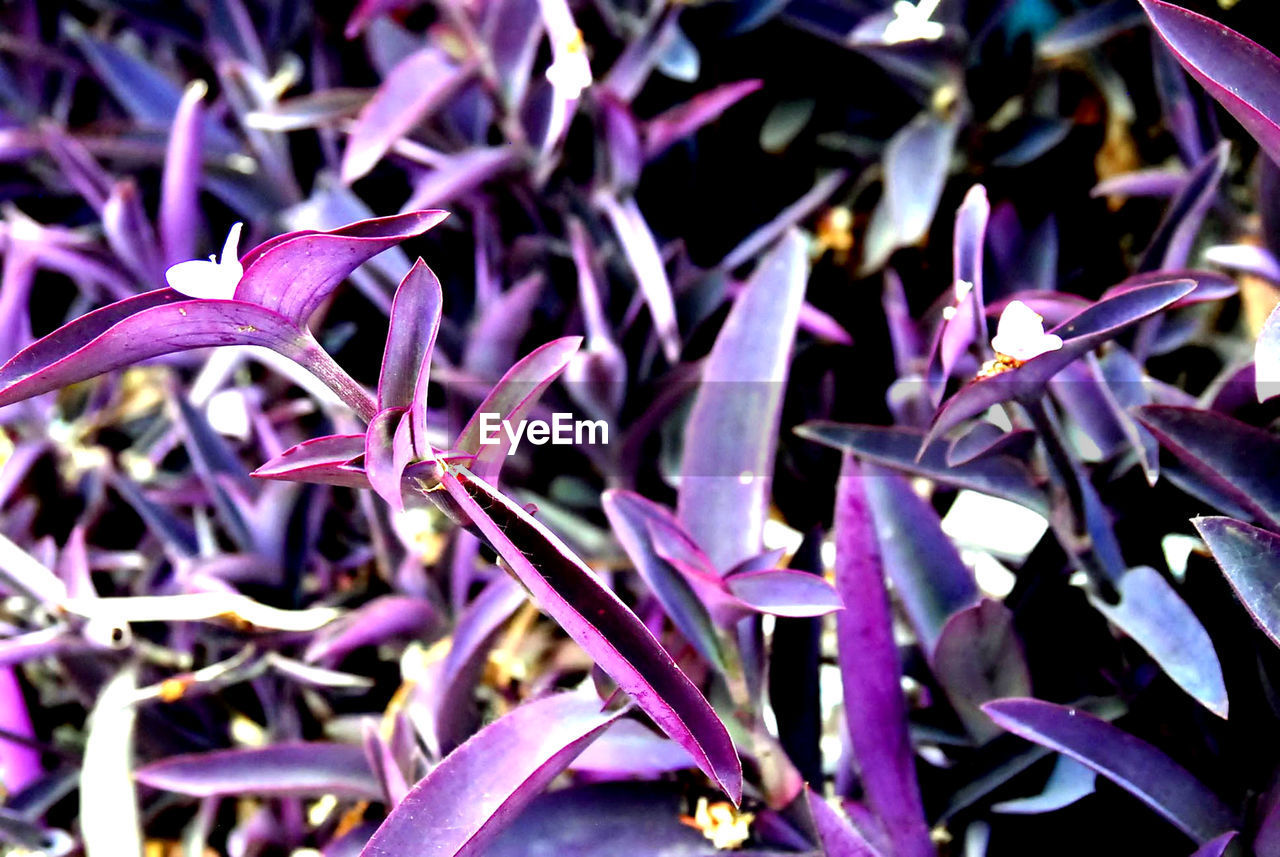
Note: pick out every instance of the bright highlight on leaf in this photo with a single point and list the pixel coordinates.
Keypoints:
(1020, 334)
(213, 279)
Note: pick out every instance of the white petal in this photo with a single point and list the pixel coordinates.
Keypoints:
(201, 279)
(230, 248)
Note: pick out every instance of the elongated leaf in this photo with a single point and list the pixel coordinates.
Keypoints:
(381, 619)
(915, 167)
(1172, 242)
(898, 448)
(1242, 75)
(1126, 760)
(386, 454)
(629, 749)
(631, 517)
(418, 85)
(924, 565)
(1069, 782)
(1080, 335)
(150, 325)
(783, 592)
(683, 120)
(295, 770)
(594, 617)
(295, 274)
(323, 460)
(466, 800)
(1217, 846)
(1250, 559)
(180, 185)
(1241, 461)
(411, 336)
(109, 820)
(732, 433)
(874, 709)
(836, 835)
(651, 274)
(1151, 612)
(959, 331)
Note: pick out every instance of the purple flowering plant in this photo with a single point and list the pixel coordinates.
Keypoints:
(626, 439)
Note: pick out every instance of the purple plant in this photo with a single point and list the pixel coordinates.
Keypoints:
(926, 477)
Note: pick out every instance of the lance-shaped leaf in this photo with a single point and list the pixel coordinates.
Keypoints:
(1250, 559)
(511, 399)
(835, 834)
(295, 274)
(1171, 245)
(631, 517)
(898, 448)
(1151, 612)
(1234, 458)
(387, 452)
(1080, 334)
(599, 622)
(967, 321)
(180, 184)
(1088, 28)
(874, 708)
(923, 563)
(466, 800)
(1241, 74)
(651, 274)
(1069, 782)
(683, 120)
(280, 770)
(732, 432)
(784, 592)
(417, 86)
(630, 749)
(985, 440)
(149, 325)
(1125, 759)
(322, 460)
(980, 658)
(762, 237)
(109, 818)
(381, 619)
(915, 168)
(1217, 846)
(411, 337)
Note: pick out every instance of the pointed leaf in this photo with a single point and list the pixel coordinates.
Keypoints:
(279, 770)
(323, 460)
(411, 336)
(783, 592)
(594, 617)
(642, 252)
(1126, 760)
(980, 658)
(383, 618)
(466, 800)
(1250, 559)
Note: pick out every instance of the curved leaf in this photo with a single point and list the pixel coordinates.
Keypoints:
(1126, 760)
(322, 460)
(980, 658)
(466, 800)
(1250, 559)
(595, 617)
(381, 619)
(295, 770)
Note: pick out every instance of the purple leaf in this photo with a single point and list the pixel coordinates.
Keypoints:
(915, 168)
(511, 399)
(836, 835)
(411, 336)
(1171, 245)
(1217, 846)
(129, 232)
(1250, 559)
(766, 235)
(1156, 618)
(457, 175)
(985, 440)
(1266, 358)
(967, 322)
(466, 800)
(323, 460)
(1069, 782)
(294, 770)
(1088, 28)
(783, 592)
(1242, 75)
(503, 322)
(874, 708)
(979, 658)
(1237, 459)
(732, 433)
(295, 274)
(683, 120)
(633, 518)
(1126, 760)
(651, 274)
(149, 325)
(417, 86)
(387, 452)
(180, 184)
(924, 565)
(1080, 334)
(629, 749)
(593, 616)
(383, 618)
(898, 448)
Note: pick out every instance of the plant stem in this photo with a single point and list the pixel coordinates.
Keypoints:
(318, 362)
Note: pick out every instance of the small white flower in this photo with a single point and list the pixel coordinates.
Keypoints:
(212, 279)
(1020, 334)
(911, 22)
(570, 72)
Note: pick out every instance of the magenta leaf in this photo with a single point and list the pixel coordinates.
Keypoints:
(381, 619)
(1126, 760)
(594, 617)
(732, 432)
(1241, 74)
(300, 770)
(683, 120)
(296, 272)
(875, 710)
(411, 337)
(466, 800)
(322, 460)
(418, 85)
(650, 271)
